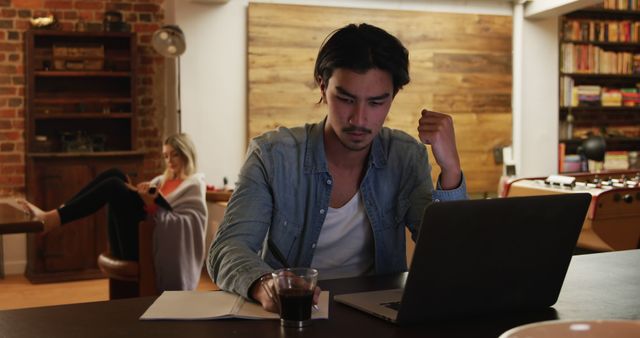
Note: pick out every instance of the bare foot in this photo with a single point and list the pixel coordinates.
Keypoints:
(31, 209)
(50, 219)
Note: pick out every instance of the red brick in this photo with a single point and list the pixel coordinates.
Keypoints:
(24, 13)
(58, 4)
(10, 158)
(7, 147)
(15, 102)
(4, 113)
(40, 13)
(22, 24)
(9, 46)
(15, 180)
(31, 4)
(119, 6)
(8, 91)
(6, 69)
(71, 15)
(67, 26)
(145, 27)
(9, 13)
(98, 5)
(86, 15)
(10, 135)
(12, 168)
(145, 8)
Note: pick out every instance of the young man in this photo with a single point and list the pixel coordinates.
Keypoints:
(336, 195)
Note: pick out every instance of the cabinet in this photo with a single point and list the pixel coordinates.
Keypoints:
(80, 120)
(600, 77)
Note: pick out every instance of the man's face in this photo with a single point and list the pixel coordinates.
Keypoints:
(358, 105)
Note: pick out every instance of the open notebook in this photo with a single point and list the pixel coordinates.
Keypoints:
(203, 305)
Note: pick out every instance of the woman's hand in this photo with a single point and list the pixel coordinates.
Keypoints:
(143, 190)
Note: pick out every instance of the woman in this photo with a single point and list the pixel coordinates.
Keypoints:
(178, 238)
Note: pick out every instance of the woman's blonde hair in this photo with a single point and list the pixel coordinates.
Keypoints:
(185, 148)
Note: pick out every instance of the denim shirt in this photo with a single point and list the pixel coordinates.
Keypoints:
(283, 192)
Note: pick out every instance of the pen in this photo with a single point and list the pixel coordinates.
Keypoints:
(276, 253)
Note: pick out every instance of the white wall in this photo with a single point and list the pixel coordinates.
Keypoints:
(214, 86)
(535, 94)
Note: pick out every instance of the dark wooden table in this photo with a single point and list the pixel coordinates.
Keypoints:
(598, 286)
(14, 221)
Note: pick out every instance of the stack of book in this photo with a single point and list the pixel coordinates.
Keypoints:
(571, 163)
(616, 160)
(630, 97)
(611, 97)
(596, 96)
(587, 96)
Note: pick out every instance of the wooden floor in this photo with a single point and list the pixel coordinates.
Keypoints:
(17, 292)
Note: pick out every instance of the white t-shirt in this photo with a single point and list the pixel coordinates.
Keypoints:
(345, 246)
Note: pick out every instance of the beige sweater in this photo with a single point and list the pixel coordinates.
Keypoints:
(179, 235)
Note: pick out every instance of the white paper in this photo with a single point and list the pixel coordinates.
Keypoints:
(203, 305)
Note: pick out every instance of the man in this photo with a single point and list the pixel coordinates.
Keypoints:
(336, 195)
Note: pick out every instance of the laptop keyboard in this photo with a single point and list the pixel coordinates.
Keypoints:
(392, 305)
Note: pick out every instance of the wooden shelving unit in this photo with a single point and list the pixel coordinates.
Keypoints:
(597, 33)
(80, 121)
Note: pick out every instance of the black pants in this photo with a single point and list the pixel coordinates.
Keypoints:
(125, 210)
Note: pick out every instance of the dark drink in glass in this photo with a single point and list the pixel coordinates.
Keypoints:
(295, 304)
(295, 288)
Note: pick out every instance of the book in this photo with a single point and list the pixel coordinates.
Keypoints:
(159, 200)
(162, 202)
(204, 305)
(616, 160)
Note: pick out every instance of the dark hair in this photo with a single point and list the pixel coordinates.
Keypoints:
(360, 48)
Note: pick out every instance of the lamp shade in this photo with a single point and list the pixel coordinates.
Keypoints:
(594, 147)
(169, 41)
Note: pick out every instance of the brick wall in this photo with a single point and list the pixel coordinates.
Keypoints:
(145, 16)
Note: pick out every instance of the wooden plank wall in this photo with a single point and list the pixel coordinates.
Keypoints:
(460, 64)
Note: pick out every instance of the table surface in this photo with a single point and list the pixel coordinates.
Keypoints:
(13, 220)
(597, 286)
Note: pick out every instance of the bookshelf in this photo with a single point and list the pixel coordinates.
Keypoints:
(600, 77)
(80, 120)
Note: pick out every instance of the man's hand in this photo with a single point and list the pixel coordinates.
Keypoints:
(264, 292)
(436, 129)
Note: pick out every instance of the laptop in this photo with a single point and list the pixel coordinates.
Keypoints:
(475, 257)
